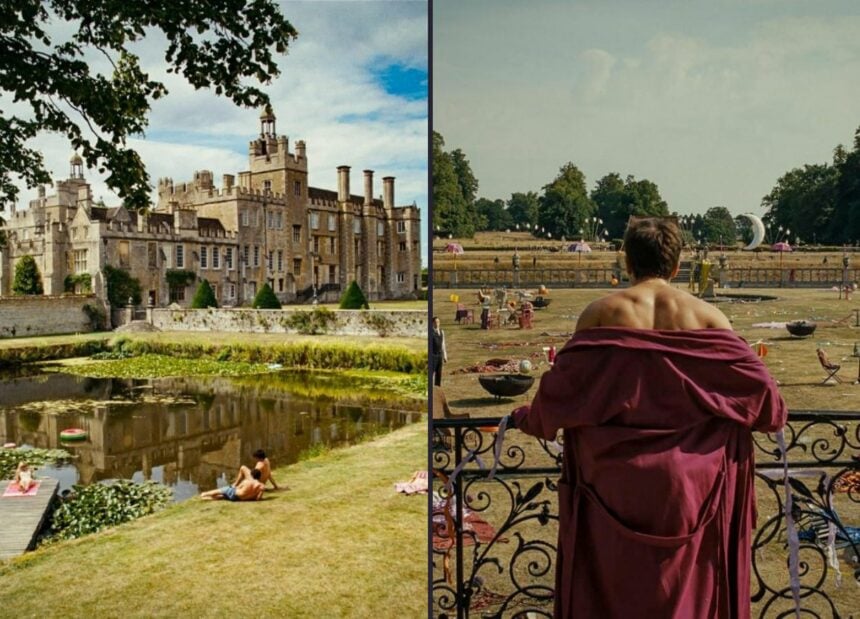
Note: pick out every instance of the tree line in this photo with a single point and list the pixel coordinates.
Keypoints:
(819, 202)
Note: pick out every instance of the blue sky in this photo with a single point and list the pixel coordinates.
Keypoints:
(712, 100)
(352, 86)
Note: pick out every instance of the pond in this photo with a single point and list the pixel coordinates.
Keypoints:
(192, 433)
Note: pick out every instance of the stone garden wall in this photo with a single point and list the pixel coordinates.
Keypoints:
(385, 323)
(27, 316)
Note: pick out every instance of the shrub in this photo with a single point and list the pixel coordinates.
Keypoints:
(28, 280)
(84, 279)
(204, 297)
(93, 508)
(353, 298)
(121, 287)
(266, 299)
(311, 323)
(96, 315)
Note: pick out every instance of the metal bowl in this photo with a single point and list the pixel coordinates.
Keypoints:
(506, 385)
(801, 328)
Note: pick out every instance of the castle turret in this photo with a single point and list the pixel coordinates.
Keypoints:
(301, 152)
(76, 167)
(267, 122)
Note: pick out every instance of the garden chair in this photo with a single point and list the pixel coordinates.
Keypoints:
(831, 368)
(526, 315)
(464, 315)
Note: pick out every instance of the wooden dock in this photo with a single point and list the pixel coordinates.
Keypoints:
(21, 517)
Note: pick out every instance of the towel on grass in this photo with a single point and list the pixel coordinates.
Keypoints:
(417, 484)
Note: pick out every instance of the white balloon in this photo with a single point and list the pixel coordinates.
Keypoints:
(757, 228)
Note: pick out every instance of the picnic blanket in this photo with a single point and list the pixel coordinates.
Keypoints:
(417, 484)
(14, 490)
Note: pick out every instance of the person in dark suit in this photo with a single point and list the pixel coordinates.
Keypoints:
(438, 353)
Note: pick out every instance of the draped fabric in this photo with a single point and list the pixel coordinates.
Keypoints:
(656, 499)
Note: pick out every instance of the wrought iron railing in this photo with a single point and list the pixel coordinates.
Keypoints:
(494, 541)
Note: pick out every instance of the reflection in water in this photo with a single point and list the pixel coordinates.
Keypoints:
(188, 433)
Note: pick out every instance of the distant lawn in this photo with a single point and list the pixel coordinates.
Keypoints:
(53, 340)
(792, 361)
(340, 543)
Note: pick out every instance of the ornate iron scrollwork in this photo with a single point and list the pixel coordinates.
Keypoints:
(494, 541)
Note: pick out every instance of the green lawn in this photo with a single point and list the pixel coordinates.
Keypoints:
(339, 543)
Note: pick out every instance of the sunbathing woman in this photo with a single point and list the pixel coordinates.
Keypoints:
(24, 476)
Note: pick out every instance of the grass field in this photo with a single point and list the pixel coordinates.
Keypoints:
(792, 361)
(482, 251)
(339, 543)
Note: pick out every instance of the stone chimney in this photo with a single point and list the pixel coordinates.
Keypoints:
(227, 181)
(388, 192)
(343, 183)
(368, 187)
(300, 149)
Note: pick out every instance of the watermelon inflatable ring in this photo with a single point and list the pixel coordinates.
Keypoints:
(73, 434)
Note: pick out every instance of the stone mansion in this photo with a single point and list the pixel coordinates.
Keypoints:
(267, 225)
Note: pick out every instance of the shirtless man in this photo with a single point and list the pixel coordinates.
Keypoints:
(248, 489)
(657, 399)
(652, 302)
(263, 465)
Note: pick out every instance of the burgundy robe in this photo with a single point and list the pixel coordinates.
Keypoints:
(656, 497)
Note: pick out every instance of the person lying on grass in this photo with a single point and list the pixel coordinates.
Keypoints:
(264, 466)
(249, 489)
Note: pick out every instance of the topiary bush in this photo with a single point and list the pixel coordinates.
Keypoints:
(28, 280)
(204, 297)
(266, 299)
(353, 298)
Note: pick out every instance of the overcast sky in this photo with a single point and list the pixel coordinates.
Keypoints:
(713, 100)
(353, 86)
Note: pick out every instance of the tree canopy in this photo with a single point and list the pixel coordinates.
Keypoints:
(565, 204)
(493, 214)
(617, 200)
(523, 209)
(820, 201)
(719, 226)
(454, 190)
(47, 70)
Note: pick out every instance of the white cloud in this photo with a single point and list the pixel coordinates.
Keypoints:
(327, 95)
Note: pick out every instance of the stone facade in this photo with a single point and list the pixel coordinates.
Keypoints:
(379, 323)
(271, 227)
(35, 316)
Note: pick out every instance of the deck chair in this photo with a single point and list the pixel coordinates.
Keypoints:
(831, 368)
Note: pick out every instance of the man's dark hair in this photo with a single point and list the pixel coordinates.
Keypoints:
(256, 474)
(653, 246)
(260, 454)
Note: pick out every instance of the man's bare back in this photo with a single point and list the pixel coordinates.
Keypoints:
(652, 304)
(249, 490)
